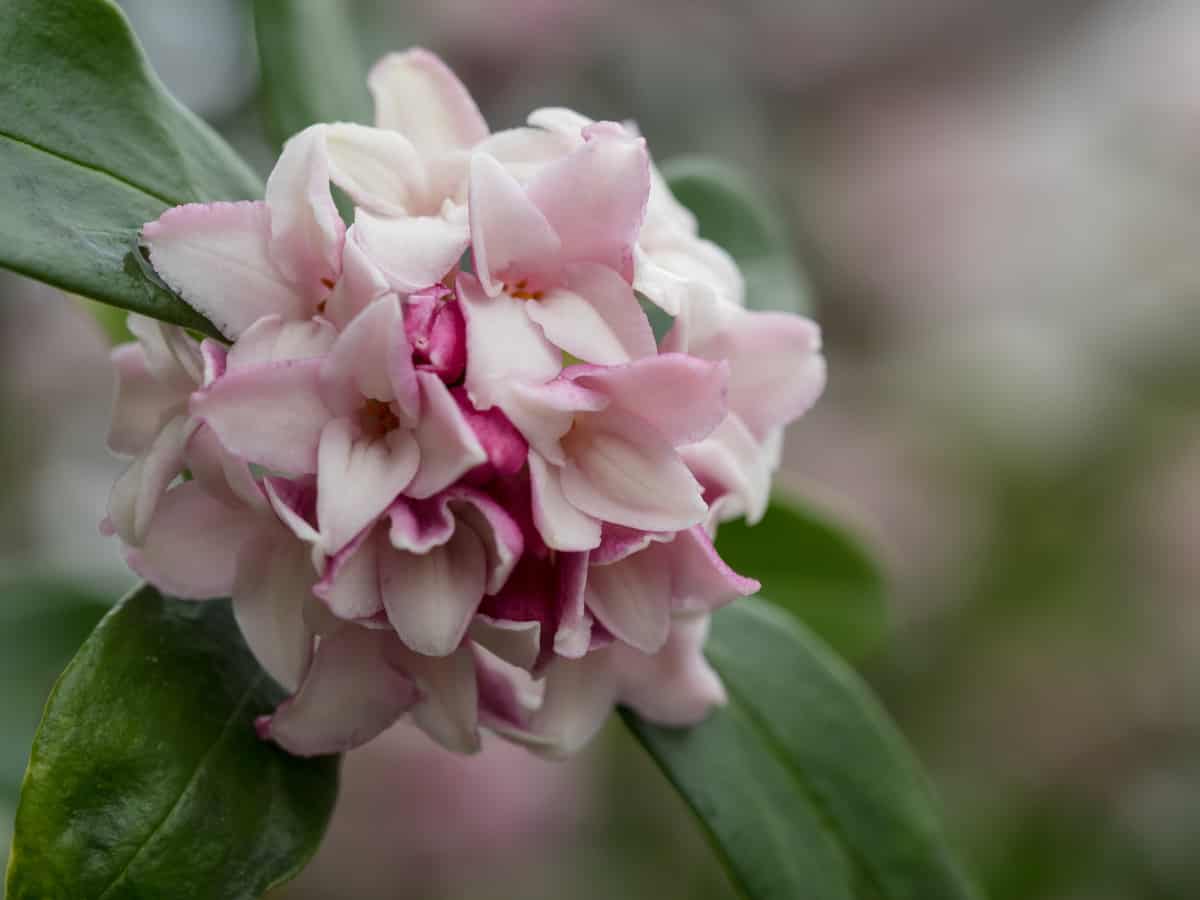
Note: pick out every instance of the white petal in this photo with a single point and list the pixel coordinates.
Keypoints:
(449, 447)
(358, 478)
(412, 252)
(273, 339)
(306, 231)
(620, 470)
(632, 599)
(217, 257)
(449, 707)
(380, 170)
(192, 544)
(416, 94)
(561, 525)
(509, 234)
(136, 493)
(143, 404)
(502, 344)
(579, 697)
(269, 414)
(431, 597)
(596, 318)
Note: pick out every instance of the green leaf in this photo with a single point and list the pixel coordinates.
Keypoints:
(91, 147)
(801, 782)
(146, 777)
(734, 215)
(42, 623)
(311, 68)
(816, 570)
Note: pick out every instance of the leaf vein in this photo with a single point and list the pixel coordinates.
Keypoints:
(187, 788)
(775, 747)
(91, 168)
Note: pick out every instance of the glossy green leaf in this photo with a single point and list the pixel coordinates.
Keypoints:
(146, 777)
(42, 623)
(801, 782)
(733, 214)
(91, 147)
(816, 570)
(311, 68)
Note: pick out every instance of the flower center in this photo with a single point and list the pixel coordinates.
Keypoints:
(521, 291)
(376, 419)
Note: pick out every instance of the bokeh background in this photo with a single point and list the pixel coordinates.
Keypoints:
(998, 205)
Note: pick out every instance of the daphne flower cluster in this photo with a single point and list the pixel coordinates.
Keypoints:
(443, 466)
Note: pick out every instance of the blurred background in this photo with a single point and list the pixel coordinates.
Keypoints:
(999, 209)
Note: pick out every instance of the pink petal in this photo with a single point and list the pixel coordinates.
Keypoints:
(360, 284)
(661, 286)
(619, 542)
(143, 403)
(700, 580)
(595, 198)
(502, 540)
(272, 586)
(350, 586)
(573, 636)
(579, 697)
(510, 238)
(733, 468)
(437, 332)
(778, 371)
(448, 710)
(620, 470)
(595, 318)
(698, 266)
(502, 344)
(294, 501)
(431, 597)
(543, 413)
(507, 695)
(675, 687)
(272, 339)
(171, 356)
(419, 526)
(306, 231)
(561, 524)
(221, 474)
(503, 444)
(632, 599)
(192, 545)
(379, 170)
(412, 252)
(682, 396)
(525, 151)
(352, 693)
(416, 94)
(517, 643)
(215, 359)
(269, 414)
(358, 478)
(548, 591)
(561, 121)
(217, 257)
(136, 493)
(448, 446)
(371, 358)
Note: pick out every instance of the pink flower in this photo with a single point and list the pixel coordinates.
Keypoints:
(486, 498)
(151, 423)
